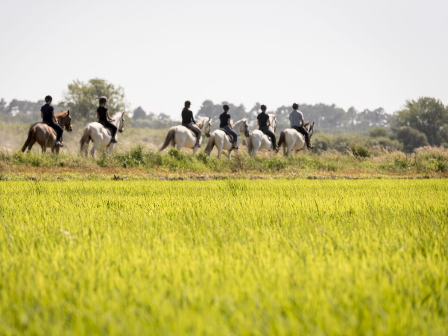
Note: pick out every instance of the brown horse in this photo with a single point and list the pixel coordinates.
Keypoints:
(45, 136)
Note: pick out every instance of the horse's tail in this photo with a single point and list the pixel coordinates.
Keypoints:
(210, 144)
(282, 138)
(85, 139)
(250, 145)
(169, 139)
(31, 135)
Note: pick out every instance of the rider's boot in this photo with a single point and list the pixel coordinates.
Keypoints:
(59, 144)
(198, 145)
(113, 140)
(308, 143)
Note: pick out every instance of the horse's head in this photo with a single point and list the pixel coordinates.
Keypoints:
(121, 123)
(309, 126)
(273, 120)
(65, 120)
(246, 128)
(205, 126)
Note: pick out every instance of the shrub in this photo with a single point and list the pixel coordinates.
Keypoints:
(411, 138)
(359, 151)
(378, 132)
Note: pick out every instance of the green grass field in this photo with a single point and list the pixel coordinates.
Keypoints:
(232, 257)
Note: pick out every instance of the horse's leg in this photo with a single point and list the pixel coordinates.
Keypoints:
(94, 147)
(30, 145)
(111, 148)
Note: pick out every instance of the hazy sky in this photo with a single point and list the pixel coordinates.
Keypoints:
(357, 53)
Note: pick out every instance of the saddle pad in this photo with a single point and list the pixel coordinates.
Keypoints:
(227, 133)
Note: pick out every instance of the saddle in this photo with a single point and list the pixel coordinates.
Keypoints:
(229, 136)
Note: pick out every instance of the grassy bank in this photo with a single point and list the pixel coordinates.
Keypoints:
(143, 162)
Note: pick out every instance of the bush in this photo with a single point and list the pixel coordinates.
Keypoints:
(379, 132)
(359, 151)
(411, 138)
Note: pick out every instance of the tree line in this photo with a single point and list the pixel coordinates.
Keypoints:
(421, 122)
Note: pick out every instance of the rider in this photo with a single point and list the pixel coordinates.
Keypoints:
(47, 115)
(188, 122)
(264, 123)
(105, 119)
(296, 122)
(225, 124)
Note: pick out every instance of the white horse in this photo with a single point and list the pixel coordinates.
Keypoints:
(292, 140)
(100, 135)
(180, 136)
(220, 139)
(258, 140)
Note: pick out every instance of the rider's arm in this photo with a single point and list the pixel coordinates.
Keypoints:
(108, 116)
(303, 123)
(192, 118)
(54, 118)
(229, 123)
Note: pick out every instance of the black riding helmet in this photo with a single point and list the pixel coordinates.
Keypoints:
(103, 100)
(263, 107)
(226, 107)
(295, 106)
(48, 99)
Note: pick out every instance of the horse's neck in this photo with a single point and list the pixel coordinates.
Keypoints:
(237, 125)
(117, 118)
(201, 125)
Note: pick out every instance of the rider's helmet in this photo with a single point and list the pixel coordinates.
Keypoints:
(226, 107)
(263, 107)
(103, 100)
(187, 103)
(48, 99)
(295, 106)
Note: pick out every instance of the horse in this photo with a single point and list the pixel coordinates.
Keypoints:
(180, 136)
(258, 140)
(220, 139)
(100, 135)
(293, 140)
(45, 136)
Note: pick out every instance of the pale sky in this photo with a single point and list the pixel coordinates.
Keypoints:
(365, 54)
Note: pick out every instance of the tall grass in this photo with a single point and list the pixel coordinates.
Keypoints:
(426, 159)
(224, 257)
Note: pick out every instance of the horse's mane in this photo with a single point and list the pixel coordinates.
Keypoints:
(61, 114)
(201, 123)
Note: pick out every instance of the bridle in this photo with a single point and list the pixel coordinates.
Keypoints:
(209, 126)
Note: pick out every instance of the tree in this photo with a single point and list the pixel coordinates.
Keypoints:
(139, 113)
(426, 115)
(3, 105)
(411, 138)
(82, 98)
(378, 132)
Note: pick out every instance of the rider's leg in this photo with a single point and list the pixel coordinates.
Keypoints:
(233, 134)
(303, 131)
(113, 130)
(196, 130)
(58, 129)
(271, 134)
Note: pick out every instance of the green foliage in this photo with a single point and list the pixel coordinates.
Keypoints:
(359, 151)
(411, 138)
(82, 98)
(232, 257)
(428, 116)
(379, 132)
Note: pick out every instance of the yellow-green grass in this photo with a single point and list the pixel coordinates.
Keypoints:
(234, 257)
